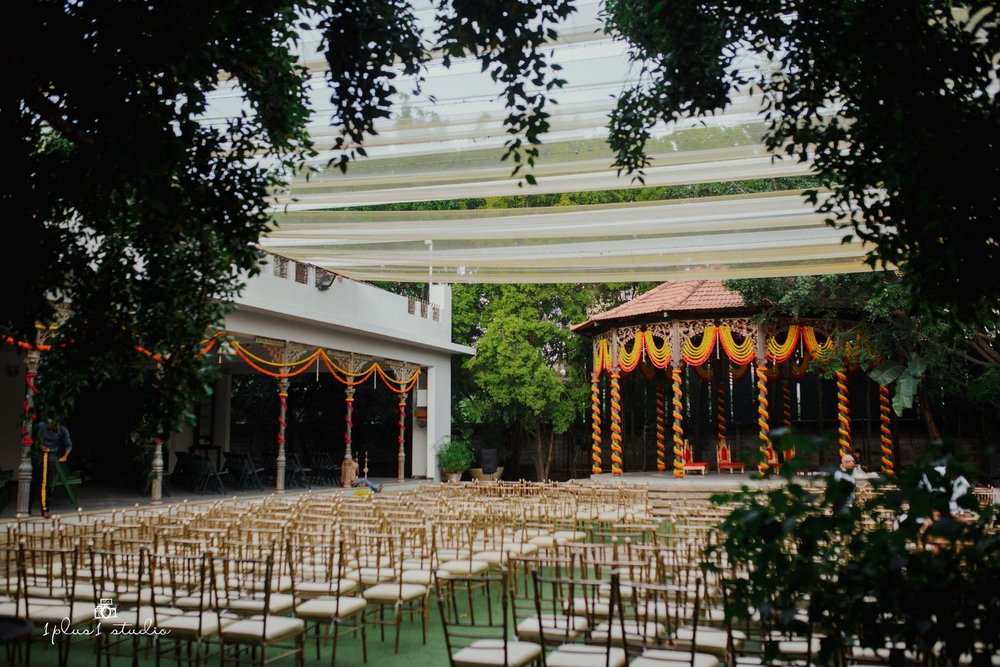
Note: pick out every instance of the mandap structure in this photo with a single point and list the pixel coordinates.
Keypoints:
(700, 345)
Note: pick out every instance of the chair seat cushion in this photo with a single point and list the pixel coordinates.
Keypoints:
(464, 566)
(555, 627)
(372, 575)
(277, 627)
(665, 658)
(708, 640)
(422, 577)
(492, 557)
(306, 589)
(327, 607)
(279, 603)
(41, 611)
(187, 625)
(491, 652)
(634, 631)
(394, 592)
(582, 655)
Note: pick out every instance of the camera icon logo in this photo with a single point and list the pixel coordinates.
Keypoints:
(105, 610)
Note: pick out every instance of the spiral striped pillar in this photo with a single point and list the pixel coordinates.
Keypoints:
(349, 423)
(24, 468)
(401, 456)
(279, 462)
(786, 404)
(616, 425)
(763, 418)
(595, 424)
(885, 430)
(678, 415)
(720, 410)
(661, 436)
(843, 414)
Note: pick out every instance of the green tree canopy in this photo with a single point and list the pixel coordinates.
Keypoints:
(143, 217)
(896, 105)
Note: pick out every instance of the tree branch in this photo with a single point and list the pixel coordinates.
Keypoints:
(49, 111)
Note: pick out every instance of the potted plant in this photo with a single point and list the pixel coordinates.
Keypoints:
(454, 457)
(486, 466)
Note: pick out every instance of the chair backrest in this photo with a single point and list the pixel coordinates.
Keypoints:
(49, 573)
(182, 580)
(723, 455)
(572, 609)
(466, 622)
(652, 614)
(120, 575)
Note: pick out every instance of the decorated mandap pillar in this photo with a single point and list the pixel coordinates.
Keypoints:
(885, 430)
(616, 421)
(595, 422)
(32, 362)
(678, 418)
(284, 354)
(661, 435)
(405, 375)
(763, 412)
(24, 472)
(843, 413)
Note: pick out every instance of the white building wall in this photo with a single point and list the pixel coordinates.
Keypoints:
(348, 316)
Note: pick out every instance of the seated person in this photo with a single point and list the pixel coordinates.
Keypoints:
(859, 459)
(351, 478)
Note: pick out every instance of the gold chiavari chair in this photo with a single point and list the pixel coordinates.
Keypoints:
(398, 596)
(243, 587)
(324, 595)
(480, 636)
(184, 608)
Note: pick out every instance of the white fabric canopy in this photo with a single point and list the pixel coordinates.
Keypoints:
(450, 149)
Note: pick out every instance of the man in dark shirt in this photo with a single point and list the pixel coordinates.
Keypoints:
(52, 443)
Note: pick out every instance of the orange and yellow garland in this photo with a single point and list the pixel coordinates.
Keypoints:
(740, 354)
(696, 355)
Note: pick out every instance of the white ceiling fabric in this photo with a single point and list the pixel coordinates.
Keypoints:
(450, 149)
(693, 239)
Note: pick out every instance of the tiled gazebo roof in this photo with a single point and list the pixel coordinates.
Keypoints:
(671, 297)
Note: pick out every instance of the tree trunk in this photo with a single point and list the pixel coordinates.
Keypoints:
(543, 451)
(932, 430)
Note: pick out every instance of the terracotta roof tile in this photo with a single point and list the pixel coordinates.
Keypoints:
(673, 296)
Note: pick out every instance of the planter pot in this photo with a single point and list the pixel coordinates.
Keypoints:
(478, 475)
(451, 476)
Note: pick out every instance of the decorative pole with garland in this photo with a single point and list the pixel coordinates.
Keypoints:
(661, 436)
(32, 361)
(403, 374)
(284, 354)
(885, 430)
(24, 470)
(843, 413)
(595, 422)
(678, 415)
(763, 418)
(616, 423)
